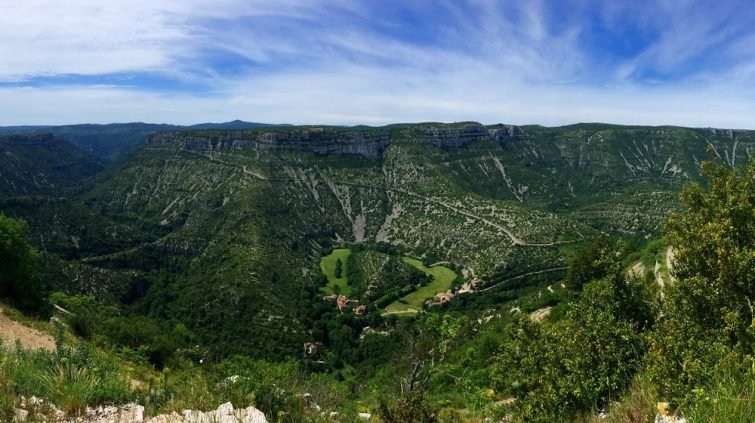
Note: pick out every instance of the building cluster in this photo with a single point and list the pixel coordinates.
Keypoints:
(344, 303)
(448, 296)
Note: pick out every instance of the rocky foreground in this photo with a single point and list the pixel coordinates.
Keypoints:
(38, 410)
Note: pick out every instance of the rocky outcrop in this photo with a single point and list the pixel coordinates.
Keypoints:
(30, 139)
(316, 140)
(456, 135)
(717, 132)
(360, 141)
(225, 413)
(38, 410)
(501, 133)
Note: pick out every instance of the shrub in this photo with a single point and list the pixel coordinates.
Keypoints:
(20, 282)
(578, 363)
(707, 313)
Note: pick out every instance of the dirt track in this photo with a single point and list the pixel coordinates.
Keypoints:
(10, 331)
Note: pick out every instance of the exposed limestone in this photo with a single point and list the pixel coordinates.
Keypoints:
(540, 314)
(383, 233)
(361, 142)
(134, 413)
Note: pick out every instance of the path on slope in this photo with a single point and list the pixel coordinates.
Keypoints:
(11, 330)
(514, 238)
(553, 269)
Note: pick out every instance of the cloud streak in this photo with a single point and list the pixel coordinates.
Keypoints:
(349, 62)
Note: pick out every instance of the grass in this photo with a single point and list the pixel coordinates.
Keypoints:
(442, 279)
(731, 398)
(637, 405)
(72, 377)
(328, 267)
(79, 374)
(401, 308)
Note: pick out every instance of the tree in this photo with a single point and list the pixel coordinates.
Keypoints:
(20, 282)
(586, 264)
(339, 269)
(578, 363)
(708, 312)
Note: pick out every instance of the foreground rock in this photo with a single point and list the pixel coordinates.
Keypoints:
(133, 413)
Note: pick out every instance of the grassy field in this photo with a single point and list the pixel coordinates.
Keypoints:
(400, 308)
(442, 279)
(328, 267)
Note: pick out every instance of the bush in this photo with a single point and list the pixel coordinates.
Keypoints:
(20, 282)
(707, 313)
(71, 377)
(411, 408)
(578, 363)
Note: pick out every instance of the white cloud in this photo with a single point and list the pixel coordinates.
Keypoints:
(365, 96)
(491, 62)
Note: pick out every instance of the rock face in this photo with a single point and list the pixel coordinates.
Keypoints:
(366, 142)
(30, 139)
(722, 132)
(502, 133)
(450, 135)
(224, 414)
(133, 413)
(316, 140)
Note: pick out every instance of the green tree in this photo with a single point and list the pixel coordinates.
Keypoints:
(708, 312)
(578, 363)
(586, 265)
(20, 282)
(339, 268)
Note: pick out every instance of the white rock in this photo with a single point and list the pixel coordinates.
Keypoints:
(224, 414)
(21, 415)
(253, 415)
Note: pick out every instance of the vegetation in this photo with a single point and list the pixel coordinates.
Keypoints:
(441, 282)
(72, 377)
(578, 362)
(20, 281)
(708, 322)
(77, 375)
(183, 266)
(332, 266)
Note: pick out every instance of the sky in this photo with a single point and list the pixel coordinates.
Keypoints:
(374, 62)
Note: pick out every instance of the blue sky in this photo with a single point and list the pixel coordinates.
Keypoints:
(374, 62)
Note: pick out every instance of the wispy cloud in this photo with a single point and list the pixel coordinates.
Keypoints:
(348, 62)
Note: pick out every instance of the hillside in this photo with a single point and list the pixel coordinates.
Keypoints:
(116, 140)
(33, 164)
(241, 217)
(361, 253)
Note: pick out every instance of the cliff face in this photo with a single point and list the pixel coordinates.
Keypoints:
(315, 140)
(40, 163)
(45, 139)
(367, 142)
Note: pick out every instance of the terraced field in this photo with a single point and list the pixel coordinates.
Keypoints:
(328, 267)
